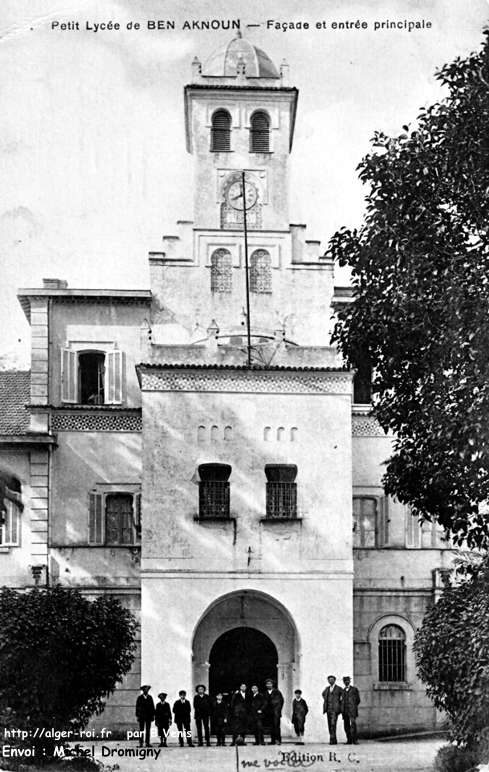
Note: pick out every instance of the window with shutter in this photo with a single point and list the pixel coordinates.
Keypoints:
(91, 377)
(260, 132)
(69, 376)
(96, 519)
(114, 377)
(221, 131)
(365, 521)
(10, 524)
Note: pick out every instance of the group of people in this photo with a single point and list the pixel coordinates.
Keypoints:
(247, 712)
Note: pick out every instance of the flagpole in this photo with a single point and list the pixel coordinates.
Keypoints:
(245, 228)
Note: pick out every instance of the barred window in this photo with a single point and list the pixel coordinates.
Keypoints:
(214, 495)
(260, 133)
(281, 491)
(392, 654)
(364, 521)
(261, 272)
(221, 271)
(221, 131)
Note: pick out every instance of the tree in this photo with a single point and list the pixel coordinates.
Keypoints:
(452, 656)
(420, 316)
(61, 655)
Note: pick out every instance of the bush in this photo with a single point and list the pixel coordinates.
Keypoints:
(450, 758)
(61, 656)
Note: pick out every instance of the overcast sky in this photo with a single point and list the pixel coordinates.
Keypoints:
(93, 162)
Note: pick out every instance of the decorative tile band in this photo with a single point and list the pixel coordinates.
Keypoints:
(254, 381)
(96, 422)
(366, 426)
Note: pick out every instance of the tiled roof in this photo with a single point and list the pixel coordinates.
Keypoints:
(14, 394)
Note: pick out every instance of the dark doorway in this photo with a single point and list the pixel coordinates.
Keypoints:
(242, 655)
(91, 370)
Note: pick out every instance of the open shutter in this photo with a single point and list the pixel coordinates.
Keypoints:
(11, 527)
(383, 522)
(69, 375)
(96, 519)
(114, 364)
(137, 515)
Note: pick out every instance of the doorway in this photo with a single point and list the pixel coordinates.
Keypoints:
(241, 655)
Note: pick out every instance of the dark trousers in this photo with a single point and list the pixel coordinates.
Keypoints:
(203, 722)
(350, 724)
(258, 730)
(183, 728)
(332, 719)
(145, 726)
(162, 733)
(275, 736)
(220, 732)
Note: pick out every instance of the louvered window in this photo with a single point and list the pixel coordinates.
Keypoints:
(281, 491)
(261, 272)
(260, 133)
(92, 377)
(214, 491)
(114, 518)
(221, 131)
(392, 654)
(221, 271)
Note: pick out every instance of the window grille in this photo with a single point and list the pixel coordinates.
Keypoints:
(261, 272)
(281, 491)
(221, 271)
(260, 133)
(364, 521)
(214, 491)
(221, 131)
(392, 654)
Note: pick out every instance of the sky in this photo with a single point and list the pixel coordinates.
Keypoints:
(93, 163)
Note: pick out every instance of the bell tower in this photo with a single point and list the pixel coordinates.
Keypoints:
(240, 114)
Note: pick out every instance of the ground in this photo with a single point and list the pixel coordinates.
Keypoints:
(369, 756)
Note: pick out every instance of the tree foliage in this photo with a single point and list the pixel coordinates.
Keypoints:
(420, 273)
(61, 655)
(452, 656)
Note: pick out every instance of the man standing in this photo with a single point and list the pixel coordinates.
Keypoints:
(275, 703)
(258, 703)
(162, 718)
(220, 719)
(349, 708)
(332, 706)
(299, 713)
(239, 712)
(145, 713)
(181, 713)
(202, 714)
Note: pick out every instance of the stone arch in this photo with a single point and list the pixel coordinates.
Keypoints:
(250, 609)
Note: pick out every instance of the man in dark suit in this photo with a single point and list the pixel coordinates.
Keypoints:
(163, 718)
(258, 704)
(349, 709)
(332, 706)
(274, 704)
(240, 715)
(145, 713)
(202, 714)
(181, 713)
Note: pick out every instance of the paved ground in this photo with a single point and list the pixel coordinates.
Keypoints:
(369, 756)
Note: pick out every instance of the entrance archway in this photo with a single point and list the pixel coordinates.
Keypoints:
(263, 631)
(241, 655)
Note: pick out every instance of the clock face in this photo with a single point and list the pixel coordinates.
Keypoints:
(235, 197)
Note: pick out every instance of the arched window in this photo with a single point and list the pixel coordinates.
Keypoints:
(10, 508)
(392, 653)
(221, 131)
(261, 272)
(221, 271)
(260, 132)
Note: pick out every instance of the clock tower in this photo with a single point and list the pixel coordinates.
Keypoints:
(240, 114)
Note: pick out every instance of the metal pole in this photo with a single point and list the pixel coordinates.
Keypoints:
(245, 227)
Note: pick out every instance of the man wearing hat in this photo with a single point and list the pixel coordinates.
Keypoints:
(202, 714)
(349, 709)
(145, 713)
(162, 718)
(274, 704)
(181, 713)
(332, 700)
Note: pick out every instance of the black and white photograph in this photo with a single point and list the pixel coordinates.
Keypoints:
(244, 385)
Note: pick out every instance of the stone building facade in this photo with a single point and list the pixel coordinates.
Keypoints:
(229, 494)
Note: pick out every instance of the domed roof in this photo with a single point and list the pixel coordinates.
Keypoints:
(223, 62)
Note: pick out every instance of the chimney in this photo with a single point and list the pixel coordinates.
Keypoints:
(54, 283)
